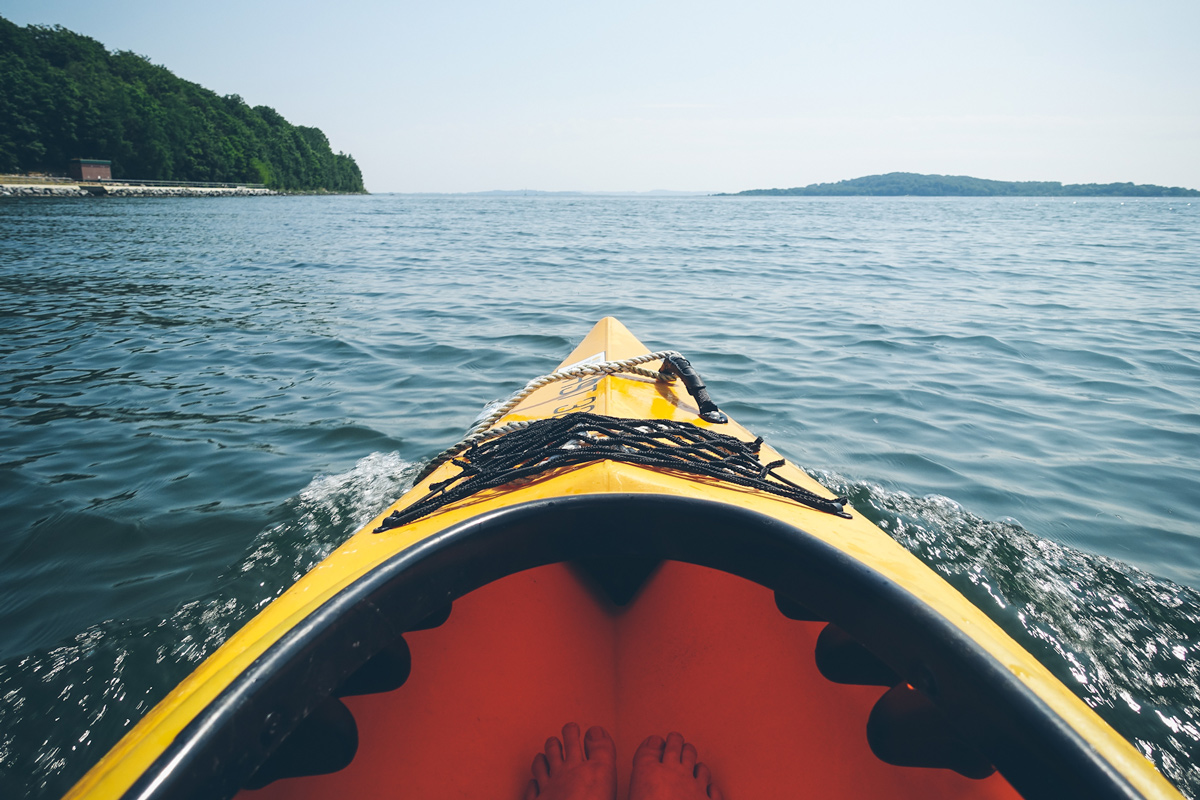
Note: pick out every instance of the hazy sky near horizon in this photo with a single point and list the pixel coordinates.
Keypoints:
(706, 96)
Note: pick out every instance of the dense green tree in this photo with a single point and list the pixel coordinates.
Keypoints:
(63, 96)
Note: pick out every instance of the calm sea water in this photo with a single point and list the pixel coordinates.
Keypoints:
(200, 398)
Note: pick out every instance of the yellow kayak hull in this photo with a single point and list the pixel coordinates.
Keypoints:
(535, 640)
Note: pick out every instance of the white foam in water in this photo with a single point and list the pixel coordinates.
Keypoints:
(1125, 641)
(108, 677)
(328, 510)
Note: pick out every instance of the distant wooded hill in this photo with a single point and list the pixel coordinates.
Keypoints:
(899, 184)
(63, 96)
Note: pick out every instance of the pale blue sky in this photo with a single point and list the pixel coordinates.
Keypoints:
(466, 96)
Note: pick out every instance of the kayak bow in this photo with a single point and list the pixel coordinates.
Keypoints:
(628, 582)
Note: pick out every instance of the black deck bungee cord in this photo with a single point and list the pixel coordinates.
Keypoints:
(582, 438)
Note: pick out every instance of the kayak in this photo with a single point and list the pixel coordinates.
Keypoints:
(608, 547)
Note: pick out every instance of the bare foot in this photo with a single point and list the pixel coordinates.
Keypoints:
(669, 771)
(572, 771)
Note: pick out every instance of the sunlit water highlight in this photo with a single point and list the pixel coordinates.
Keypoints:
(201, 398)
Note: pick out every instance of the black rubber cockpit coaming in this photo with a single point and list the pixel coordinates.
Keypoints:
(1039, 754)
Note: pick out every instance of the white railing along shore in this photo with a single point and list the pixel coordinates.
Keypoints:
(54, 179)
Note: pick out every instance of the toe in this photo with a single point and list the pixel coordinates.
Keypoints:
(572, 749)
(531, 791)
(650, 750)
(554, 754)
(599, 746)
(541, 770)
(714, 792)
(703, 775)
(673, 749)
(688, 755)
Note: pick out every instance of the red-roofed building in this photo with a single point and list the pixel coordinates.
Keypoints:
(91, 169)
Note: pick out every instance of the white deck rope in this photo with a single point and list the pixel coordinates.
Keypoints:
(483, 429)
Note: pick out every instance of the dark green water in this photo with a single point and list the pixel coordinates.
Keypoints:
(200, 398)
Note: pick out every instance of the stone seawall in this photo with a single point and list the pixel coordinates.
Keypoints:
(125, 190)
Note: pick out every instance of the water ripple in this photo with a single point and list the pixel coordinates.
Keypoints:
(101, 681)
(1126, 642)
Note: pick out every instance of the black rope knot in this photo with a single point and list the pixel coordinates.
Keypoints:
(582, 438)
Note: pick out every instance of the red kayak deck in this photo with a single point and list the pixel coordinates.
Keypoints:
(698, 651)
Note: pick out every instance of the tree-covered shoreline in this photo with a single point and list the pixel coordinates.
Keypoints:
(902, 184)
(64, 95)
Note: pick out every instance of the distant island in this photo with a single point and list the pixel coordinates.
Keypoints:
(64, 96)
(900, 184)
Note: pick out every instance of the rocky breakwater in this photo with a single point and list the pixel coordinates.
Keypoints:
(119, 190)
(41, 190)
(126, 190)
